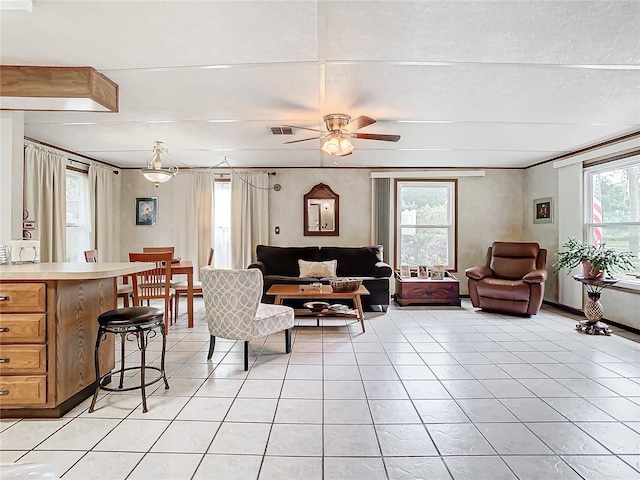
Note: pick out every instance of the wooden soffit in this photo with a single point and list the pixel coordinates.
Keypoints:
(56, 88)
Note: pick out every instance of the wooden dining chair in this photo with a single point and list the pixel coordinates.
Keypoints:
(125, 291)
(154, 284)
(171, 250)
(182, 288)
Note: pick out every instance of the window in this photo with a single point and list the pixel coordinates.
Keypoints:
(612, 205)
(426, 223)
(222, 223)
(78, 220)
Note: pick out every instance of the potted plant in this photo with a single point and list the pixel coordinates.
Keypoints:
(596, 261)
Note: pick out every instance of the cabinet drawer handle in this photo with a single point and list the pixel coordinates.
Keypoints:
(4, 392)
(5, 360)
(5, 298)
(4, 329)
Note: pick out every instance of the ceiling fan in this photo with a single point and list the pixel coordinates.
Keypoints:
(340, 130)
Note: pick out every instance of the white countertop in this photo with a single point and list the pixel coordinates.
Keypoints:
(71, 271)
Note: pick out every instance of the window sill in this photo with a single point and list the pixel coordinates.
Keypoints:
(628, 284)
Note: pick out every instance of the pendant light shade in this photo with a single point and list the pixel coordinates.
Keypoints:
(155, 172)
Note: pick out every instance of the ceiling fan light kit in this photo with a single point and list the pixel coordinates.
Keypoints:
(337, 141)
(337, 144)
(154, 171)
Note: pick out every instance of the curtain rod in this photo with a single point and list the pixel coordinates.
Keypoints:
(39, 142)
(205, 170)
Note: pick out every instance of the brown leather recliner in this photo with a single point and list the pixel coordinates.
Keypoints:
(512, 280)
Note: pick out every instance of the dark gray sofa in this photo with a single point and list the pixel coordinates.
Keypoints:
(279, 265)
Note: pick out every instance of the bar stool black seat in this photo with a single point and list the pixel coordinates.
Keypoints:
(141, 324)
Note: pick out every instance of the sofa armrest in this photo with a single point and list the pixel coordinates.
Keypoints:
(259, 265)
(478, 273)
(382, 269)
(535, 276)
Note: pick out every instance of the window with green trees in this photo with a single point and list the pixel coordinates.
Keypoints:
(426, 222)
(612, 205)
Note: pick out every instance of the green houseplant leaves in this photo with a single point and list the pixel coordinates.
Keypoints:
(602, 259)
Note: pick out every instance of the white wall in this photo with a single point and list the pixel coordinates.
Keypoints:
(286, 207)
(12, 167)
(542, 182)
(621, 306)
(486, 214)
(171, 208)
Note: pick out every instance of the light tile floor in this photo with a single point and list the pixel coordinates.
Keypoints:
(426, 392)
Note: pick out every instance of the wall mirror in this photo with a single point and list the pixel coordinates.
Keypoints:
(321, 212)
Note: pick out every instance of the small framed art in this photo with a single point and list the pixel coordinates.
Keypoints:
(405, 271)
(423, 271)
(438, 273)
(543, 210)
(147, 211)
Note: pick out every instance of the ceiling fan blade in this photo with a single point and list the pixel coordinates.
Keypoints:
(305, 128)
(303, 140)
(358, 123)
(377, 136)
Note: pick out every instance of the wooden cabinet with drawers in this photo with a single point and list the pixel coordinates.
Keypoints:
(48, 328)
(47, 336)
(427, 291)
(23, 348)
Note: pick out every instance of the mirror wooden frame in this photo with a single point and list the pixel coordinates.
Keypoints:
(321, 192)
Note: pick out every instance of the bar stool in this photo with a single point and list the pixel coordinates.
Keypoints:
(132, 322)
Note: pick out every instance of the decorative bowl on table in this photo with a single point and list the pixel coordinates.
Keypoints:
(316, 307)
(345, 285)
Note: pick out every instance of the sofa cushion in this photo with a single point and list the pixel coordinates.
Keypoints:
(317, 269)
(284, 260)
(353, 261)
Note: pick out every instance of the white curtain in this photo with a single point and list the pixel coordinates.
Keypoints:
(199, 219)
(249, 216)
(45, 190)
(104, 200)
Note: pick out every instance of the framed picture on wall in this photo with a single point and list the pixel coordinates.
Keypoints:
(147, 211)
(543, 210)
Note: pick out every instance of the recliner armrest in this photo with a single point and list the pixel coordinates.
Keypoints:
(382, 269)
(260, 266)
(478, 273)
(535, 276)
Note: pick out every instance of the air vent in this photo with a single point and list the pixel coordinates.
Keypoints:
(282, 130)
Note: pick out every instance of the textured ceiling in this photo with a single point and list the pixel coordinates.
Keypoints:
(465, 84)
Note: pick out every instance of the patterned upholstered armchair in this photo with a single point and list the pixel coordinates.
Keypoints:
(233, 308)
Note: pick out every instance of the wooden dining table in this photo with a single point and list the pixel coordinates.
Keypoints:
(185, 267)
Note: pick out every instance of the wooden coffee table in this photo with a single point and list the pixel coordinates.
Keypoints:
(283, 292)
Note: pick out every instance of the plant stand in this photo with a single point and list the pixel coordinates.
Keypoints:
(593, 309)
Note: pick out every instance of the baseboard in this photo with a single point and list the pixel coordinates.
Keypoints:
(577, 311)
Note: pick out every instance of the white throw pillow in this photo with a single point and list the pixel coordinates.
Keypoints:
(317, 269)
